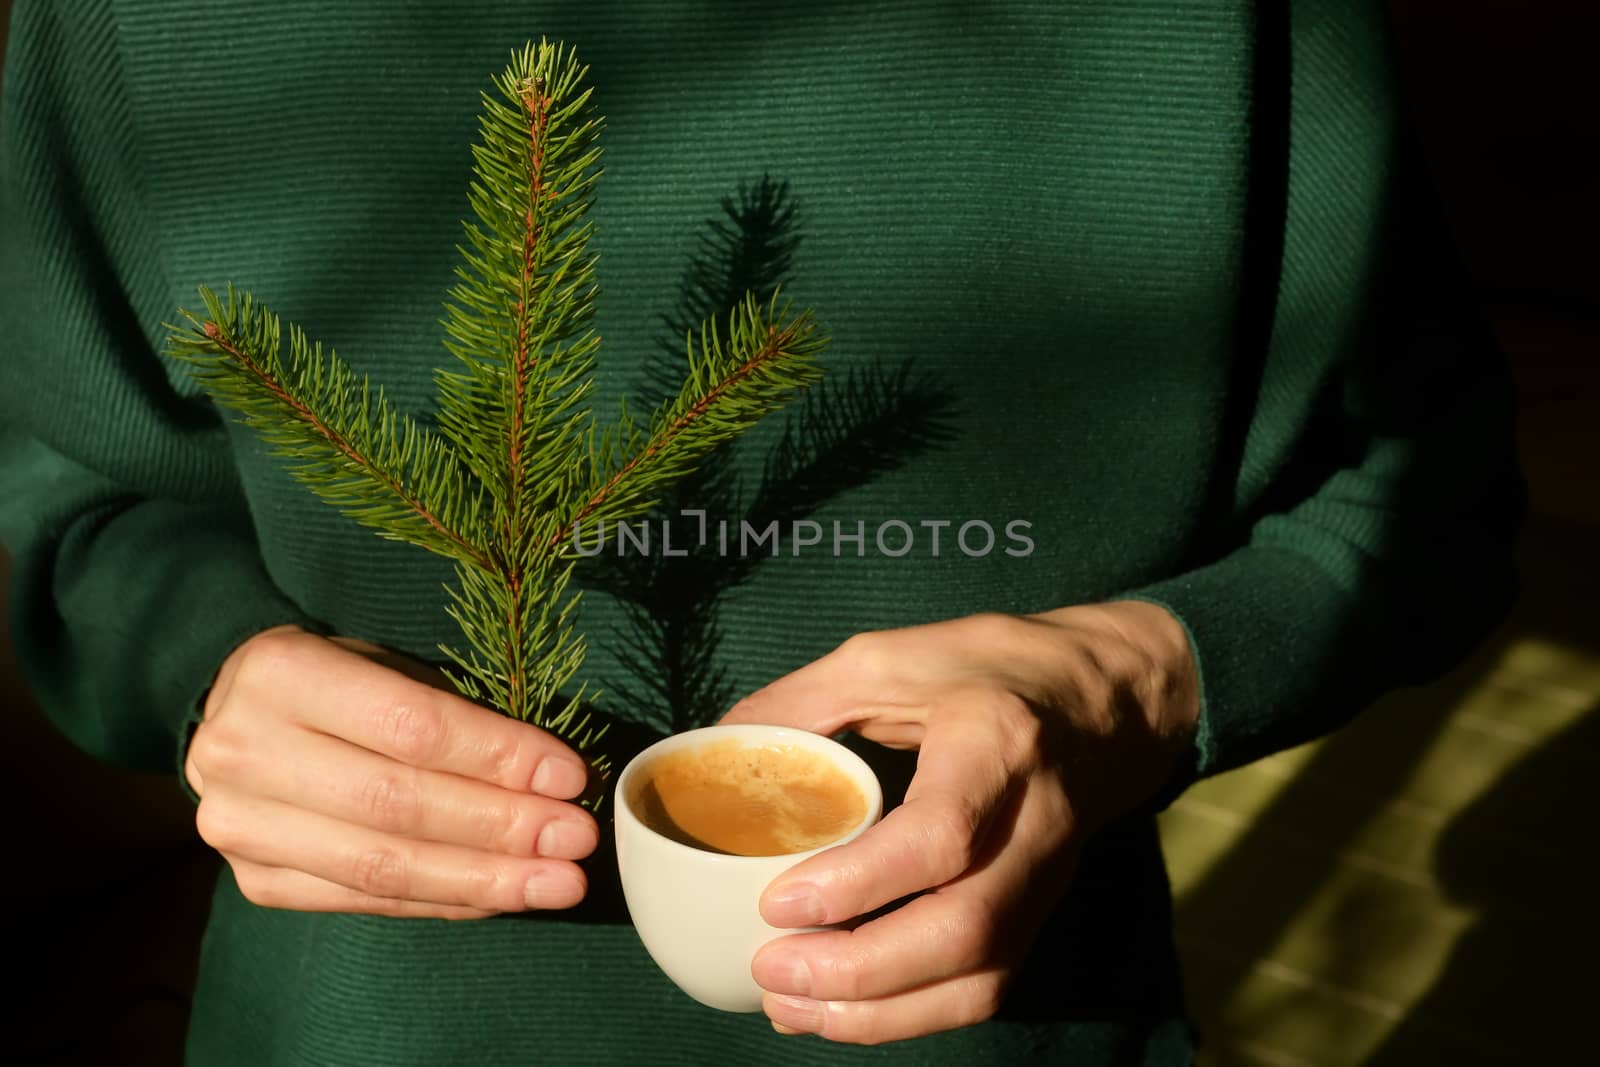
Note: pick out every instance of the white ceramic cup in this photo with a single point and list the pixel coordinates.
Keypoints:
(697, 912)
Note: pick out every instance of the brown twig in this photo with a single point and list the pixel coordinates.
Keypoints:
(538, 108)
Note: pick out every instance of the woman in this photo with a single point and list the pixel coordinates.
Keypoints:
(1166, 262)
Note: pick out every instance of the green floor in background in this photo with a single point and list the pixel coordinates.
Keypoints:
(1419, 888)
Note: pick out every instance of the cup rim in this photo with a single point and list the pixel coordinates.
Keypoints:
(865, 778)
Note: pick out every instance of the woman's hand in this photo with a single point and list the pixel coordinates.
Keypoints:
(332, 782)
(1032, 731)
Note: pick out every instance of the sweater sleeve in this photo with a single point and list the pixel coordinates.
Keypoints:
(136, 568)
(1377, 484)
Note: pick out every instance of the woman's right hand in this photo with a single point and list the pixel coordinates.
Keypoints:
(331, 782)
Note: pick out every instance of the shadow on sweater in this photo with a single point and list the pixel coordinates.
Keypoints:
(858, 424)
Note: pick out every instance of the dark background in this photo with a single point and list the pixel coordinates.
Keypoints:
(1504, 95)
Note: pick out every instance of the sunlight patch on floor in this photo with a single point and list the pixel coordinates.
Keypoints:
(1313, 918)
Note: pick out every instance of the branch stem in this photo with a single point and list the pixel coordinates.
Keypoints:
(537, 105)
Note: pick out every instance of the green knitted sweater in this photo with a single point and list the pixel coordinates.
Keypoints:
(1162, 259)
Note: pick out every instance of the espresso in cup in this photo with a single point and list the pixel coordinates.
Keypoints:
(748, 800)
(706, 820)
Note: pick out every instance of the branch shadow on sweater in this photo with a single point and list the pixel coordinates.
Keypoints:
(852, 428)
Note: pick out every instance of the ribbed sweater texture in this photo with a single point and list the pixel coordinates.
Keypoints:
(1170, 264)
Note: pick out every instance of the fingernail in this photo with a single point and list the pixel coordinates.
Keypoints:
(798, 1014)
(782, 970)
(559, 778)
(563, 839)
(552, 889)
(794, 905)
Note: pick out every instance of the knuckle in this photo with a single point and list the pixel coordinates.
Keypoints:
(996, 627)
(391, 803)
(1018, 724)
(855, 1024)
(1095, 693)
(972, 938)
(216, 825)
(204, 749)
(985, 995)
(266, 658)
(507, 760)
(953, 838)
(255, 887)
(380, 871)
(414, 730)
(514, 830)
(492, 887)
(846, 971)
(866, 652)
(219, 751)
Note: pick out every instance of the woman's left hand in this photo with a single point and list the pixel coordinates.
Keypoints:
(1032, 731)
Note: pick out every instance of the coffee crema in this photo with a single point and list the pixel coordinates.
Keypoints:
(747, 800)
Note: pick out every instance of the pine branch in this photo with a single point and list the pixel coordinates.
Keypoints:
(517, 322)
(767, 357)
(516, 460)
(354, 449)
